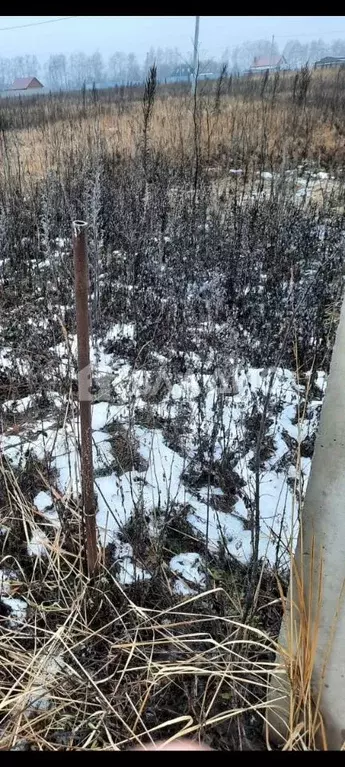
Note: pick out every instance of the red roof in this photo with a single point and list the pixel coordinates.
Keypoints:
(22, 83)
(267, 61)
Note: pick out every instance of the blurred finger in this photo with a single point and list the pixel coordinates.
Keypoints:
(177, 745)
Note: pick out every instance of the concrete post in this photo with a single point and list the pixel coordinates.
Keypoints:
(319, 572)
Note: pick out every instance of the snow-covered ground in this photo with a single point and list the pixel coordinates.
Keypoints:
(161, 483)
(194, 434)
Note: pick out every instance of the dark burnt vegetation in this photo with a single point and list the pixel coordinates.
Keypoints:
(248, 276)
(258, 268)
(214, 270)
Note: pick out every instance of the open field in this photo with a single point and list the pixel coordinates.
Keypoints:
(216, 249)
(248, 123)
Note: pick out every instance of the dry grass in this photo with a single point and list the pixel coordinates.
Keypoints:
(294, 716)
(294, 712)
(109, 672)
(91, 669)
(124, 673)
(241, 133)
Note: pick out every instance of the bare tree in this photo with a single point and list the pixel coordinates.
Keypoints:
(318, 49)
(338, 48)
(133, 69)
(96, 67)
(79, 69)
(117, 67)
(56, 71)
(296, 53)
(243, 55)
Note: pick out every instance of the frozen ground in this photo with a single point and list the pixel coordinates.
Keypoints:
(170, 474)
(169, 441)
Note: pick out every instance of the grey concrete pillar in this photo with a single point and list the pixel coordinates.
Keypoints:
(320, 549)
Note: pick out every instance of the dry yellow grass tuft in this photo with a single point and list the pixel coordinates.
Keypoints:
(250, 132)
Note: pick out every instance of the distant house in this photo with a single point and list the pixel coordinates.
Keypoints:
(270, 63)
(330, 61)
(181, 74)
(184, 73)
(207, 76)
(25, 84)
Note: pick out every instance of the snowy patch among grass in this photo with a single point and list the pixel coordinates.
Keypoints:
(16, 607)
(191, 569)
(161, 484)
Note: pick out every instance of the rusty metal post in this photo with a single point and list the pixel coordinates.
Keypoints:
(81, 274)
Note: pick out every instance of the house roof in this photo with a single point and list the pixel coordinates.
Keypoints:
(21, 83)
(330, 59)
(267, 61)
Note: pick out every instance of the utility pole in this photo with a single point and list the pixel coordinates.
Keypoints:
(272, 46)
(195, 57)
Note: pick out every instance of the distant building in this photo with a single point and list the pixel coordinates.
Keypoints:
(330, 61)
(26, 83)
(24, 86)
(182, 74)
(207, 76)
(271, 63)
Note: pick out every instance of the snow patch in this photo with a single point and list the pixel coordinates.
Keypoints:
(18, 609)
(37, 547)
(190, 567)
(43, 501)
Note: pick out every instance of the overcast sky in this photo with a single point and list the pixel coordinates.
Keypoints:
(137, 33)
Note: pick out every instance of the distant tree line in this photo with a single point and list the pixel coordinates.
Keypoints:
(62, 71)
(297, 54)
